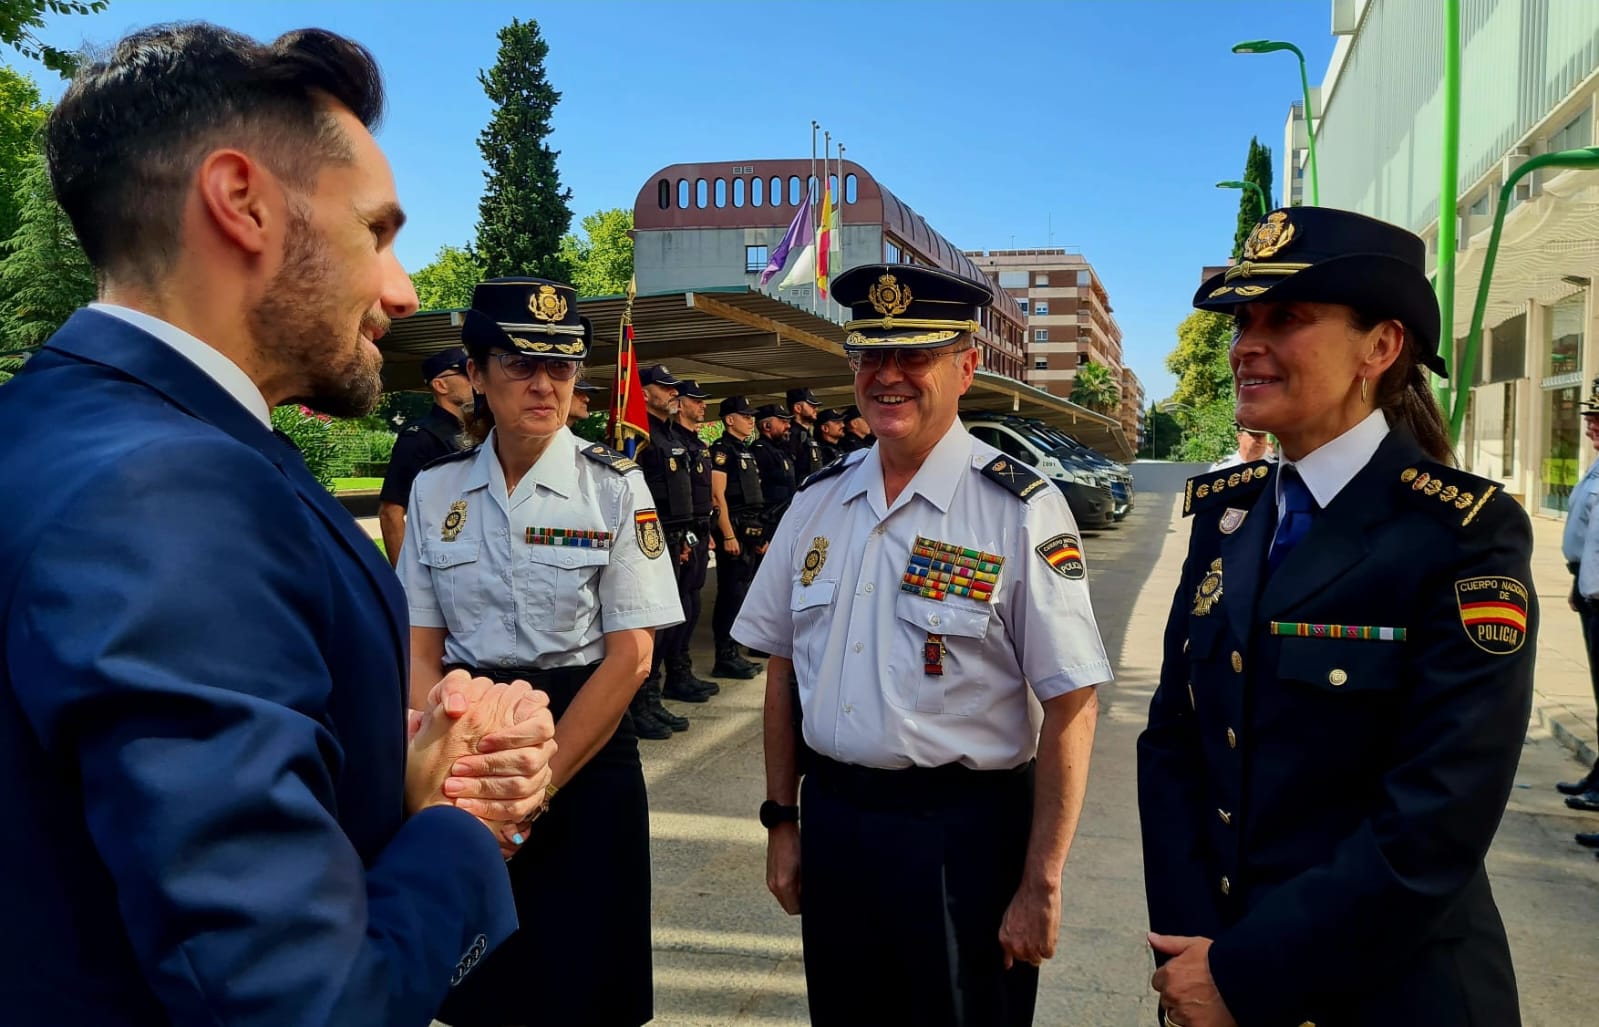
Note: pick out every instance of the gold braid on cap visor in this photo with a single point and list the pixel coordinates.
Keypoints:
(942, 330)
(1250, 268)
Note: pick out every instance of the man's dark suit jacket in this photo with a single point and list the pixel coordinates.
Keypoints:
(202, 721)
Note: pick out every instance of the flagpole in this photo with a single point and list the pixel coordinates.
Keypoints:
(838, 216)
(624, 372)
(812, 217)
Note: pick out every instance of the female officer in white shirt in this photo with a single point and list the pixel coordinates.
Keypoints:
(539, 556)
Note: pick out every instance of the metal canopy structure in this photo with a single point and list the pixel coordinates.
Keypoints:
(736, 340)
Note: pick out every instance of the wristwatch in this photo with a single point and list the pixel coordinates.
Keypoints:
(774, 813)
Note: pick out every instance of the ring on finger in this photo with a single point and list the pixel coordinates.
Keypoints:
(1165, 1018)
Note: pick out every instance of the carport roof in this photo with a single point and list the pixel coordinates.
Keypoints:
(736, 340)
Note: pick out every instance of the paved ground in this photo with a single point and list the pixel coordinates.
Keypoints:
(725, 955)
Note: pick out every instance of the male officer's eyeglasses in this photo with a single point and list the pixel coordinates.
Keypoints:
(910, 361)
(519, 367)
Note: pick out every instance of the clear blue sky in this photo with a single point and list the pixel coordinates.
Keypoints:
(1109, 121)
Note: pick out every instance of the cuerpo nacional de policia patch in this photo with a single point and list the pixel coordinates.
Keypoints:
(1493, 610)
(650, 538)
(1064, 554)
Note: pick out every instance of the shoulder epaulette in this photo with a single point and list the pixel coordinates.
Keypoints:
(460, 454)
(617, 462)
(837, 466)
(1017, 479)
(1232, 482)
(1447, 490)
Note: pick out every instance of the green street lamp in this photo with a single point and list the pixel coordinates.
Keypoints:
(1265, 203)
(1586, 159)
(1272, 46)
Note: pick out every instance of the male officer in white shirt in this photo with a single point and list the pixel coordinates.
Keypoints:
(926, 605)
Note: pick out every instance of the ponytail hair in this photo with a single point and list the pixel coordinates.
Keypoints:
(1404, 396)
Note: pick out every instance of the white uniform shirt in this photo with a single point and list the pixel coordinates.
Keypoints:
(858, 641)
(509, 602)
(1580, 541)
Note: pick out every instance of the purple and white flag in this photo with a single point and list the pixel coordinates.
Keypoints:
(798, 229)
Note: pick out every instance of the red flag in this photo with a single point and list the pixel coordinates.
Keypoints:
(630, 423)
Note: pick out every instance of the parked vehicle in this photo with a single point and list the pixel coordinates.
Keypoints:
(1087, 489)
(1121, 478)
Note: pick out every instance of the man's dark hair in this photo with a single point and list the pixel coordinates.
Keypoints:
(126, 139)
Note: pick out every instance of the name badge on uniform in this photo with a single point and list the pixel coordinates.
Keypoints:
(939, 569)
(579, 538)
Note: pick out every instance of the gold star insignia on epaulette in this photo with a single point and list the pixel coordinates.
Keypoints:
(1429, 483)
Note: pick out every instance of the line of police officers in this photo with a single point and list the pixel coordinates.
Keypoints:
(729, 494)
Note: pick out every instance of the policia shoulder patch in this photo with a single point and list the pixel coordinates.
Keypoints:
(1017, 479)
(1064, 554)
(651, 540)
(1203, 490)
(610, 458)
(1493, 610)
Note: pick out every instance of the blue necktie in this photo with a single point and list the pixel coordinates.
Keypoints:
(1299, 509)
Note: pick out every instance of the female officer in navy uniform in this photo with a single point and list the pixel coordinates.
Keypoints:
(539, 556)
(1347, 672)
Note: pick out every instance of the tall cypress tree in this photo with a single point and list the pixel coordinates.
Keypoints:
(1257, 169)
(523, 213)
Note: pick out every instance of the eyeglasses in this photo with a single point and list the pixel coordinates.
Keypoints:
(910, 361)
(519, 367)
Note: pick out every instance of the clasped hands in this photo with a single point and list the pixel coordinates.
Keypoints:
(484, 748)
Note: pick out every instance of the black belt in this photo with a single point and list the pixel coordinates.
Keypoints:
(915, 786)
(561, 684)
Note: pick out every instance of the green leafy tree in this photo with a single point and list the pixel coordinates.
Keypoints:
(44, 275)
(447, 283)
(523, 212)
(1162, 435)
(21, 120)
(593, 426)
(1200, 359)
(1208, 432)
(1096, 388)
(314, 435)
(600, 257)
(20, 20)
(1257, 169)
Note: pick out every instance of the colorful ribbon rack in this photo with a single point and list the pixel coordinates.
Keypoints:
(581, 538)
(1292, 629)
(939, 569)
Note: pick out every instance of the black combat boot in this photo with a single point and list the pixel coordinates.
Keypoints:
(644, 723)
(730, 665)
(658, 710)
(682, 669)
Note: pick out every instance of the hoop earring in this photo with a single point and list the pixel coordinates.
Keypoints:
(1363, 390)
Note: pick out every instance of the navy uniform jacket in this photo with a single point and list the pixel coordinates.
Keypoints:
(202, 721)
(419, 444)
(1320, 806)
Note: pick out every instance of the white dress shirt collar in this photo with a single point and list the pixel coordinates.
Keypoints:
(555, 469)
(1325, 471)
(934, 481)
(228, 375)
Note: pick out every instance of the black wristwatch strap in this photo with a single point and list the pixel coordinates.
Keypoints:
(774, 813)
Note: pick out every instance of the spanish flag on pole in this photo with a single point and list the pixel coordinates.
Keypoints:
(630, 425)
(827, 245)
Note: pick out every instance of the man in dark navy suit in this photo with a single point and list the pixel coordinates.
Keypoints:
(217, 814)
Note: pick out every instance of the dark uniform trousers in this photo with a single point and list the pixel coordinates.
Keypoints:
(733, 577)
(1320, 804)
(674, 642)
(583, 954)
(905, 877)
(1588, 611)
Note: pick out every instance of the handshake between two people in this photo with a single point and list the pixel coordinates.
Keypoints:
(484, 748)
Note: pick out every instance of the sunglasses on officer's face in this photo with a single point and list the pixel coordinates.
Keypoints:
(520, 367)
(910, 361)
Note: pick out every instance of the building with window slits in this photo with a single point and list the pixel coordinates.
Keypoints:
(711, 225)
(1068, 322)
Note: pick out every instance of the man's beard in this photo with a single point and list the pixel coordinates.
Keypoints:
(297, 322)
